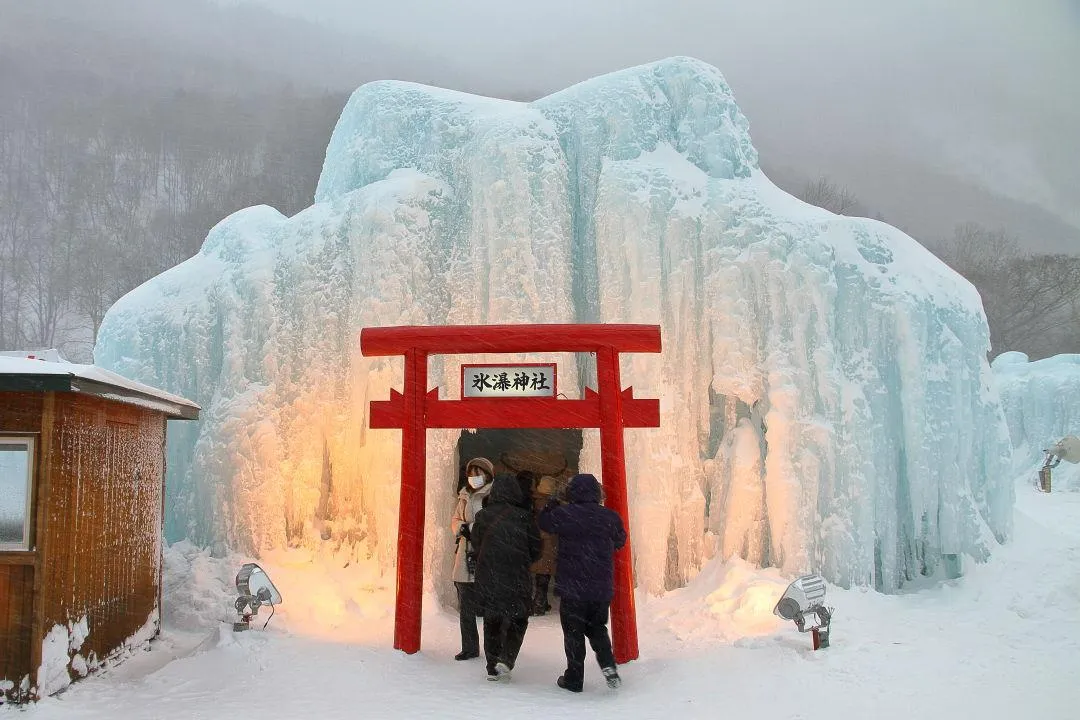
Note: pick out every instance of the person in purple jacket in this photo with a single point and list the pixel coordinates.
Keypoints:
(589, 534)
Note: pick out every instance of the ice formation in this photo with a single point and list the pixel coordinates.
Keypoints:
(1041, 401)
(826, 403)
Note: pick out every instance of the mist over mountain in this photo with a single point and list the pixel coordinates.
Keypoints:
(195, 44)
(982, 91)
(128, 128)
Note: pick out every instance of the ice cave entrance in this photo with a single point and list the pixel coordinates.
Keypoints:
(544, 452)
(541, 451)
(509, 409)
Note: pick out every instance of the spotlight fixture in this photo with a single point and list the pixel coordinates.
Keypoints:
(255, 590)
(802, 598)
(1067, 448)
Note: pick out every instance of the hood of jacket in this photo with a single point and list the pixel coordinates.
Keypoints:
(583, 488)
(546, 487)
(505, 489)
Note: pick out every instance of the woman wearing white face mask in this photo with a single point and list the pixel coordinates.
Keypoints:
(478, 474)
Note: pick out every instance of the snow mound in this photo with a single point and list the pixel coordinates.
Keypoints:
(826, 404)
(726, 603)
(198, 590)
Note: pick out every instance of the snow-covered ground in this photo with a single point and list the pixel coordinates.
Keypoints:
(1002, 642)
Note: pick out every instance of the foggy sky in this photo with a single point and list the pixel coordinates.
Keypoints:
(987, 91)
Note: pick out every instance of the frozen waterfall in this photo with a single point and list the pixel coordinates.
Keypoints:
(1041, 400)
(826, 403)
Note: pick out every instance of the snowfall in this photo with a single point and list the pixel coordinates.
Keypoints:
(826, 406)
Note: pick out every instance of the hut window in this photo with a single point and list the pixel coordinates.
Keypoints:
(16, 478)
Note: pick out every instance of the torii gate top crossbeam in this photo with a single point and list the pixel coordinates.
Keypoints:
(472, 339)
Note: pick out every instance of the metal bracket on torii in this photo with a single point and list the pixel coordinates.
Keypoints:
(417, 408)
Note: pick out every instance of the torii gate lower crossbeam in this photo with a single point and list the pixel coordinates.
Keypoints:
(416, 409)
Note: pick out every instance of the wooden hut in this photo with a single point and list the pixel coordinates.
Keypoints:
(82, 469)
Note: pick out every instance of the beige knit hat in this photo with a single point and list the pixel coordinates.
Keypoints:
(482, 463)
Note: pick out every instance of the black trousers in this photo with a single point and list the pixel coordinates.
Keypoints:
(584, 619)
(502, 639)
(540, 594)
(470, 637)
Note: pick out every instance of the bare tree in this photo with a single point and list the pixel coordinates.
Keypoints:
(100, 192)
(1030, 300)
(974, 249)
(826, 194)
(1035, 313)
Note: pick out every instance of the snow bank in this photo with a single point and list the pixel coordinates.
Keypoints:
(324, 595)
(62, 660)
(53, 675)
(825, 399)
(197, 590)
(726, 603)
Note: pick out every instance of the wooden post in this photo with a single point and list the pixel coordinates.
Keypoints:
(613, 466)
(161, 523)
(1044, 479)
(410, 555)
(42, 498)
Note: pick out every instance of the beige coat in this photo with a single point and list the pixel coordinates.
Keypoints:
(468, 504)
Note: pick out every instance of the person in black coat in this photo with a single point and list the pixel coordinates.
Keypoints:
(589, 534)
(507, 542)
(526, 479)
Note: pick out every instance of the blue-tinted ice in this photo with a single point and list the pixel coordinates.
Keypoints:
(826, 403)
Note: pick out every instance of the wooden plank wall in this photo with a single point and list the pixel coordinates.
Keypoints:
(16, 619)
(103, 520)
(19, 412)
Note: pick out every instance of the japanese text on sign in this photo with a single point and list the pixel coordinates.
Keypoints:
(506, 381)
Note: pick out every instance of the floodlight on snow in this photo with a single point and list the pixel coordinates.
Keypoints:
(255, 590)
(802, 598)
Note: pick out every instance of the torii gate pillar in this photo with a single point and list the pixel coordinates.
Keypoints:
(613, 468)
(611, 409)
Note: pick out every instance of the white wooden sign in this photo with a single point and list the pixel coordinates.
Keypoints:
(508, 381)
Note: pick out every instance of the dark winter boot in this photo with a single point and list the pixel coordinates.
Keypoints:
(565, 685)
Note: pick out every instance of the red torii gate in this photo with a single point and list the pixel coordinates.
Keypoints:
(416, 409)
